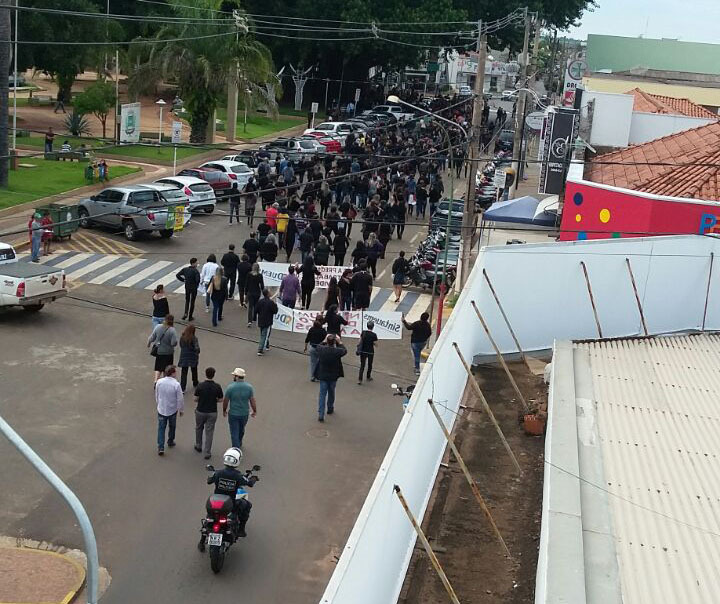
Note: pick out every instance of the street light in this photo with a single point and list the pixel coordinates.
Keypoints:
(398, 101)
(160, 103)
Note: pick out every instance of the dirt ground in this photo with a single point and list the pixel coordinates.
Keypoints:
(464, 542)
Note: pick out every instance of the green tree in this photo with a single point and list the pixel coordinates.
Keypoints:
(98, 99)
(202, 58)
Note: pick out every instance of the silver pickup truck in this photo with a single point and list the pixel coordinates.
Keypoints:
(28, 285)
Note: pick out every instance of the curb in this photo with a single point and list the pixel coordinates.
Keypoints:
(74, 590)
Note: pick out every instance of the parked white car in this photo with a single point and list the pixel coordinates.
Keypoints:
(27, 284)
(401, 114)
(199, 193)
(236, 170)
(337, 130)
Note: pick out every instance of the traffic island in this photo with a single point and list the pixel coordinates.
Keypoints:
(35, 576)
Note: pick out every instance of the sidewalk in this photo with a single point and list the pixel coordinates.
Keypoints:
(36, 576)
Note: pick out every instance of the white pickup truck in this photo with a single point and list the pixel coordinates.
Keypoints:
(28, 284)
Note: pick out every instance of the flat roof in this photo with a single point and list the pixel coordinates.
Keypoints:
(631, 506)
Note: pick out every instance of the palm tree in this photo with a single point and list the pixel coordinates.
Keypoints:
(202, 67)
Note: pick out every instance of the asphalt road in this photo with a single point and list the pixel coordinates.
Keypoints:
(77, 386)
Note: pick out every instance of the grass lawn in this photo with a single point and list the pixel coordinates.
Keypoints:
(144, 152)
(49, 178)
(259, 125)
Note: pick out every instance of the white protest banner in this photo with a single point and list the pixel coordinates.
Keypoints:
(388, 325)
(273, 272)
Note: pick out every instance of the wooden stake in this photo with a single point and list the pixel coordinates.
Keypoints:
(526, 407)
(637, 297)
(469, 478)
(592, 299)
(426, 544)
(483, 400)
(707, 292)
(502, 312)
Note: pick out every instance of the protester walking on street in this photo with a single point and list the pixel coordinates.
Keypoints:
(170, 402)
(329, 370)
(361, 284)
(206, 275)
(269, 249)
(162, 343)
(345, 288)
(230, 262)
(307, 285)
(161, 308)
(333, 294)
(234, 201)
(421, 332)
(189, 356)
(340, 245)
(315, 335)
(334, 321)
(250, 195)
(217, 290)
(289, 288)
(399, 270)
(243, 270)
(207, 396)
(252, 247)
(366, 351)
(190, 276)
(374, 250)
(238, 400)
(266, 311)
(322, 251)
(254, 285)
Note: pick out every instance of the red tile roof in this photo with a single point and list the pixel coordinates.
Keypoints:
(657, 103)
(685, 164)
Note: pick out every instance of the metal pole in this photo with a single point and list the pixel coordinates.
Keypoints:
(486, 406)
(426, 544)
(473, 141)
(469, 478)
(174, 159)
(707, 292)
(83, 520)
(327, 85)
(502, 312)
(520, 109)
(526, 407)
(637, 298)
(160, 133)
(117, 94)
(15, 61)
(592, 298)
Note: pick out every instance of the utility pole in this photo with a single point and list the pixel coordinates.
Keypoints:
(522, 100)
(473, 146)
(4, 81)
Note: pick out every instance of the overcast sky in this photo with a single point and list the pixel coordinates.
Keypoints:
(692, 20)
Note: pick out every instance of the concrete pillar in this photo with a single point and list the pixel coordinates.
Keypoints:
(232, 107)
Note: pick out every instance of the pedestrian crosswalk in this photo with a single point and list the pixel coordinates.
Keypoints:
(147, 273)
(93, 242)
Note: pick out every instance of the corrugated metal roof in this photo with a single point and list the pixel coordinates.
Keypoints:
(657, 404)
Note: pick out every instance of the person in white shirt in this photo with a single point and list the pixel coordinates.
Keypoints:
(206, 275)
(170, 403)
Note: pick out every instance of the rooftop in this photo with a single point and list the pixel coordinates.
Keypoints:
(617, 53)
(632, 483)
(657, 103)
(650, 167)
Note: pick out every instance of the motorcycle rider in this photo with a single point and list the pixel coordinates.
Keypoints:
(228, 480)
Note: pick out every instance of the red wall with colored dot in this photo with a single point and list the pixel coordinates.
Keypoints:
(592, 212)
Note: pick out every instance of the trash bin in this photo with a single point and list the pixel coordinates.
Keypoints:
(61, 215)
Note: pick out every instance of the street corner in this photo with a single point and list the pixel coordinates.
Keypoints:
(38, 576)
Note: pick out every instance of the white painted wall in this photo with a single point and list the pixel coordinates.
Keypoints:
(650, 126)
(543, 292)
(612, 115)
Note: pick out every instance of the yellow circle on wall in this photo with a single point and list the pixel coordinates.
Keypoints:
(578, 217)
(604, 215)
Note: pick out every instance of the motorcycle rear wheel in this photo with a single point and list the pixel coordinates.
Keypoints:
(217, 558)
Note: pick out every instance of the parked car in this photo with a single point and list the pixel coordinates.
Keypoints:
(133, 208)
(27, 284)
(332, 145)
(508, 95)
(251, 159)
(505, 140)
(399, 112)
(220, 182)
(384, 119)
(174, 197)
(236, 170)
(295, 149)
(333, 129)
(200, 194)
(465, 91)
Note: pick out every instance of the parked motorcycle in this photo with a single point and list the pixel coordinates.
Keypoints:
(219, 529)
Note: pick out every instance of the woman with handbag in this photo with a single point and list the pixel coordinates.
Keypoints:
(162, 343)
(161, 308)
(218, 290)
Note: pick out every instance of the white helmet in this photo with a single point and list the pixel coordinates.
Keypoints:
(232, 457)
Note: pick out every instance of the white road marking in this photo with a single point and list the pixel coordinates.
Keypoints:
(415, 236)
(381, 275)
(198, 222)
(169, 278)
(92, 266)
(100, 279)
(74, 259)
(150, 270)
(390, 304)
(422, 304)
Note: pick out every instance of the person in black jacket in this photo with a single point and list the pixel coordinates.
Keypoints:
(229, 262)
(251, 247)
(329, 370)
(254, 285)
(243, 270)
(334, 320)
(269, 249)
(190, 276)
(361, 284)
(322, 251)
(290, 236)
(307, 241)
(400, 269)
(266, 310)
(309, 271)
(340, 246)
(421, 332)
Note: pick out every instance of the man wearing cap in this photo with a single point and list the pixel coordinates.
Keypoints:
(239, 398)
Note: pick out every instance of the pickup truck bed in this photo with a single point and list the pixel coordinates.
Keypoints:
(25, 270)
